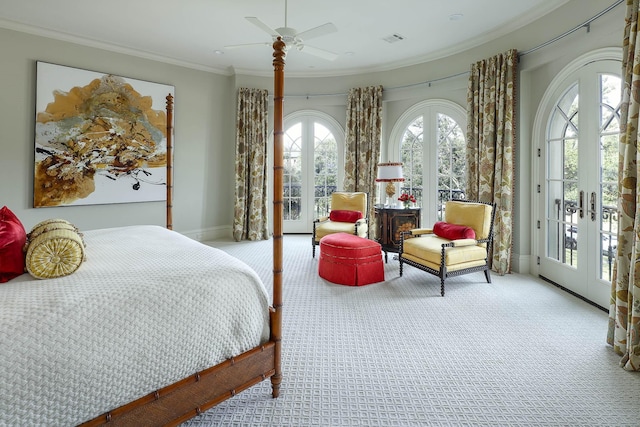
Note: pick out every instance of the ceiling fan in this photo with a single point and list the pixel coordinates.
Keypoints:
(292, 37)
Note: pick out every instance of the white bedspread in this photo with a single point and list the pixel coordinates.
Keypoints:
(147, 308)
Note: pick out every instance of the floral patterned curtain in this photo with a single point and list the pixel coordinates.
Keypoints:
(250, 210)
(624, 308)
(362, 145)
(491, 146)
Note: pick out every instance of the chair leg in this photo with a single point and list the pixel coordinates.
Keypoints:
(313, 241)
(442, 286)
(400, 267)
(487, 274)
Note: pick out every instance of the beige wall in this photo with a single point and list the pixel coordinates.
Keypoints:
(205, 114)
(446, 78)
(204, 137)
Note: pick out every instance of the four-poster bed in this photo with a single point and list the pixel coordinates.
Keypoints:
(187, 397)
(203, 390)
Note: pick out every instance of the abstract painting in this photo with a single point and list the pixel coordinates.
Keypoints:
(99, 138)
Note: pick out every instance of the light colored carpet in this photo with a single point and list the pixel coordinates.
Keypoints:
(516, 352)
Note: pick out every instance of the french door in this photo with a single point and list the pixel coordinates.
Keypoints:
(429, 140)
(578, 229)
(312, 169)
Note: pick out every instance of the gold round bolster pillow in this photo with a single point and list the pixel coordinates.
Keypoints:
(48, 225)
(54, 253)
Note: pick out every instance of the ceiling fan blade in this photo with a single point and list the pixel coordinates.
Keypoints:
(318, 31)
(321, 53)
(233, 46)
(264, 27)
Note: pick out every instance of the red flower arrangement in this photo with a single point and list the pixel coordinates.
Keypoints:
(407, 198)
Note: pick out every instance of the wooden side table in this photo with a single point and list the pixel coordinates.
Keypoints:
(390, 222)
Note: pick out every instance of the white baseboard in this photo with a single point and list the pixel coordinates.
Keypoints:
(521, 264)
(207, 234)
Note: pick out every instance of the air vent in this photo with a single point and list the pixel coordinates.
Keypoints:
(395, 37)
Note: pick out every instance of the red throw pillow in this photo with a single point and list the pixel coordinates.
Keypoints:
(12, 240)
(453, 231)
(345, 216)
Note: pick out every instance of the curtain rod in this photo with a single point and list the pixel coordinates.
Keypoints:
(586, 24)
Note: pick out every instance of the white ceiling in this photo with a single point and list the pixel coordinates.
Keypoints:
(189, 32)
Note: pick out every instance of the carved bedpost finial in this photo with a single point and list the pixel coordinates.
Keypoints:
(279, 53)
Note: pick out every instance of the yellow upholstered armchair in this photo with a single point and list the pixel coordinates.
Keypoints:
(458, 245)
(348, 214)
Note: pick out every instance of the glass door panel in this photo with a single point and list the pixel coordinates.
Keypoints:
(292, 177)
(580, 219)
(608, 186)
(325, 159)
(311, 171)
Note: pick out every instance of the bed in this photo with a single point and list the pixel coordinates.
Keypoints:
(153, 329)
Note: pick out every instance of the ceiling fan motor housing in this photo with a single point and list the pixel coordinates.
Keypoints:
(288, 36)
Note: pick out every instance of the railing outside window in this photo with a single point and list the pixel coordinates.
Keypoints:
(608, 236)
(609, 239)
(322, 199)
(444, 195)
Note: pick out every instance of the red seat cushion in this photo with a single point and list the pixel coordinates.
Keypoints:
(347, 245)
(12, 240)
(453, 231)
(345, 216)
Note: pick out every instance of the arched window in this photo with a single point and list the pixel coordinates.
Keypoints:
(429, 140)
(576, 171)
(313, 167)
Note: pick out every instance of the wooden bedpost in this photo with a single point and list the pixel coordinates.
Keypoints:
(169, 162)
(278, 168)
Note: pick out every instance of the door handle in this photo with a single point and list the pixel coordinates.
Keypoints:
(592, 204)
(581, 204)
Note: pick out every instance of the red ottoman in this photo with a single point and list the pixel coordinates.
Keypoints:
(350, 260)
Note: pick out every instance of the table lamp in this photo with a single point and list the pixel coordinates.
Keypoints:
(390, 172)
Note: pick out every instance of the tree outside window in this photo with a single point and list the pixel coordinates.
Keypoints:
(450, 160)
